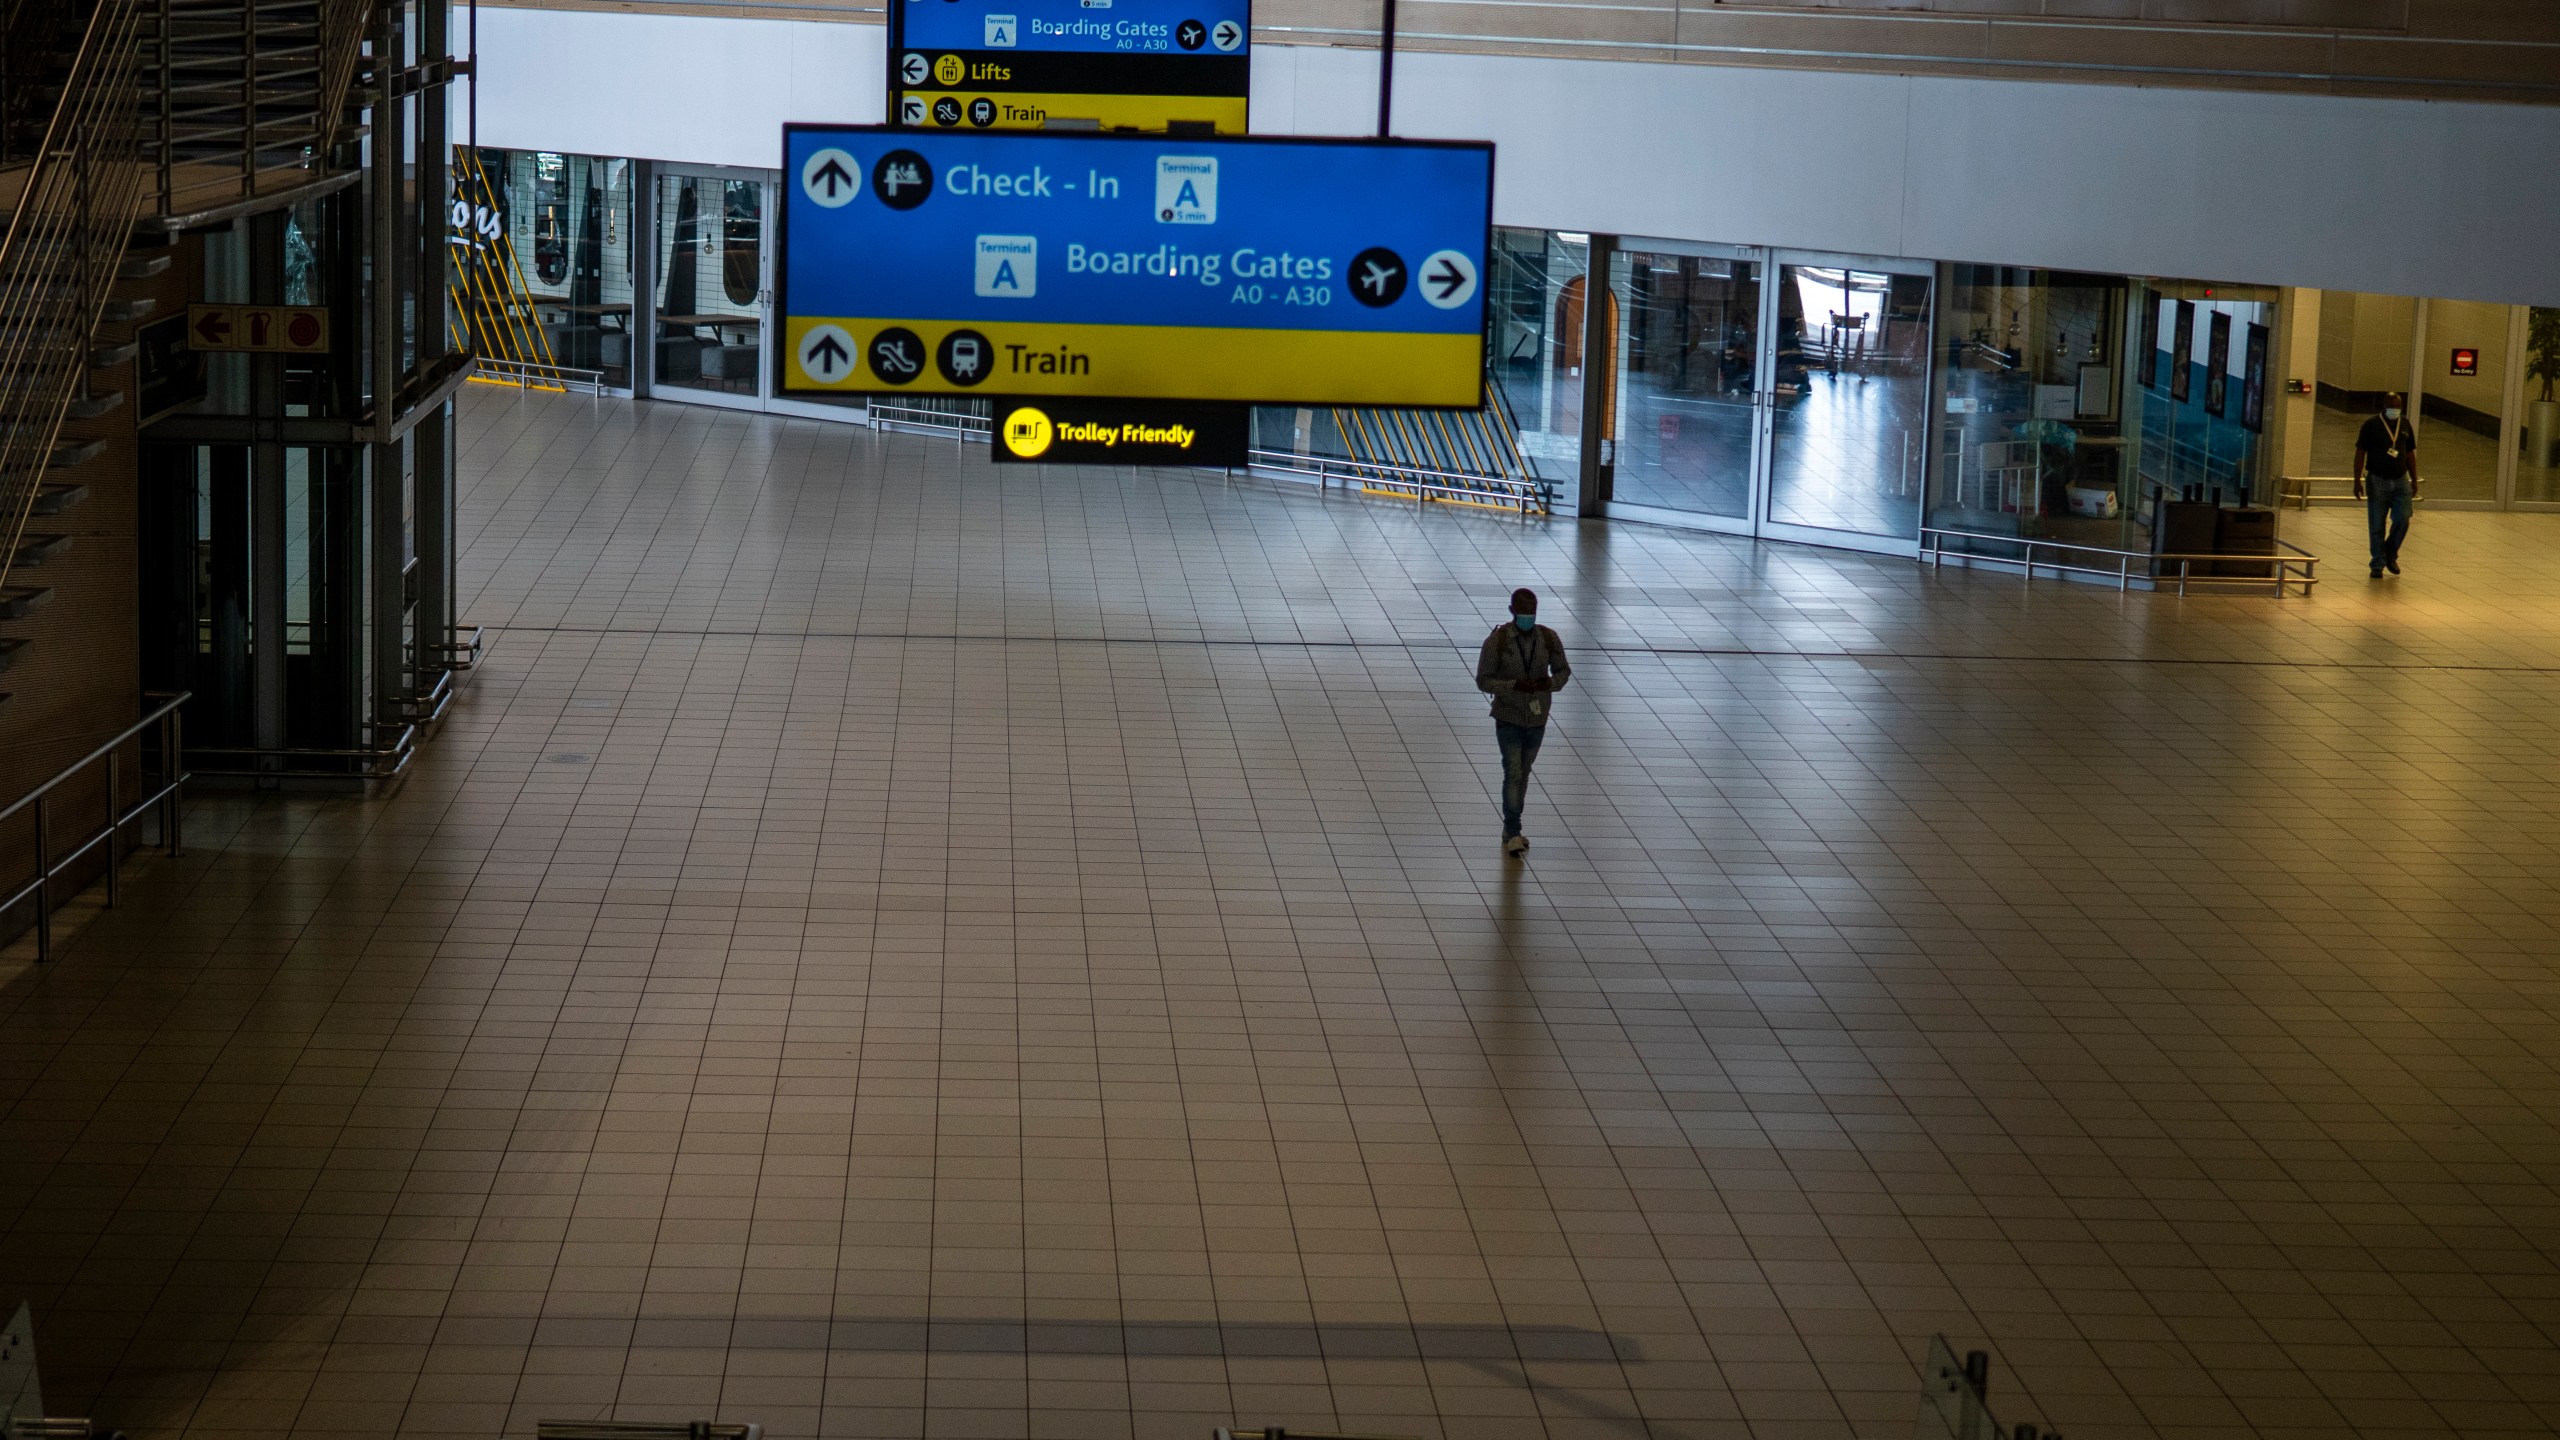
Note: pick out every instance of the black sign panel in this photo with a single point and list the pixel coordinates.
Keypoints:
(1056, 430)
(1152, 65)
(168, 374)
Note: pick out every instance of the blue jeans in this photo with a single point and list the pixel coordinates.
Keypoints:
(2391, 502)
(1519, 751)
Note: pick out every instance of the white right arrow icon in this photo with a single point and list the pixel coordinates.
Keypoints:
(1227, 36)
(1448, 279)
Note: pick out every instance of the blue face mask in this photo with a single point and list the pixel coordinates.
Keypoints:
(1526, 622)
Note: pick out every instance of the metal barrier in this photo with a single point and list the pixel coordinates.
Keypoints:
(167, 797)
(536, 373)
(1954, 1399)
(972, 419)
(646, 1431)
(1274, 1432)
(1528, 496)
(976, 418)
(2290, 566)
(2300, 490)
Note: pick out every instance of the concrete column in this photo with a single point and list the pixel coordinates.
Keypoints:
(391, 246)
(2417, 386)
(1599, 380)
(644, 278)
(2296, 358)
(268, 540)
(434, 486)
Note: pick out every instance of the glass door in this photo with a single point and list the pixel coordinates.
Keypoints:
(1849, 408)
(2534, 377)
(1781, 393)
(712, 296)
(1690, 398)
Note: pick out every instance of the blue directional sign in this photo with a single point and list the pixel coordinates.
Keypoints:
(1022, 64)
(1278, 271)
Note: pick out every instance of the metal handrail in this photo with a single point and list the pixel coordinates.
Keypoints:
(258, 85)
(646, 1431)
(883, 411)
(2299, 567)
(65, 237)
(1528, 495)
(2296, 490)
(492, 368)
(173, 778)
(2031, 58)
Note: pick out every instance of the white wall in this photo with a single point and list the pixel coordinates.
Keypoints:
(2269, 189)
(668, 87)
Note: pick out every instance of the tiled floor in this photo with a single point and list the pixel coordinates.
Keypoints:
(888, 946)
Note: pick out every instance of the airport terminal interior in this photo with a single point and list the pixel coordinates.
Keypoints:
(580, 861)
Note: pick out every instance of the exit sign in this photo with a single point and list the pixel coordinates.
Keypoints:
(2466, 361)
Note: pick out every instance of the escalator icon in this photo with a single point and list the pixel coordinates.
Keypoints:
(897, 356)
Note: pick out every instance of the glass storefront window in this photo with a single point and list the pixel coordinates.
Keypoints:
(2032, 438)
(566, 224)
(2196, 413)
(2071, 405)
(1538, 285)
(2461, 386)
(1850, 400)
(2538, 467)
(1687, 365)
(2478, 379)
(2366, 351)
(710, 316)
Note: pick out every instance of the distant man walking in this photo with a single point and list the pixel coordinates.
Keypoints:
(1522, 666)
(2387, 481)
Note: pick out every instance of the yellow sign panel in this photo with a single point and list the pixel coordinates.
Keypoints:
(259, 329)
(1012, 110)
(1272, 367)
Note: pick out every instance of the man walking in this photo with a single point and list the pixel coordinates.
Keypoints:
(1522, 666)
(2387, 481)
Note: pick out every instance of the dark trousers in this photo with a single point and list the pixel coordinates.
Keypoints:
(1519, 751)
(2388, 504)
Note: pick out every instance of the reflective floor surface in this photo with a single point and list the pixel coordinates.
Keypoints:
(890, 946)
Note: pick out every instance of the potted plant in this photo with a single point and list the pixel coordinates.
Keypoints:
(2542, 362)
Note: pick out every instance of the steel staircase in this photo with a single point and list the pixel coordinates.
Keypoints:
(118, 115)
(73, 190)
(242, 98)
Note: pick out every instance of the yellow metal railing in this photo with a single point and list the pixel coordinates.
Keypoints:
(494, 314)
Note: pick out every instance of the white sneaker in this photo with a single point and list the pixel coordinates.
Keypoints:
(1516, 845)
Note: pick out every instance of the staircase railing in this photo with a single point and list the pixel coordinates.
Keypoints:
(1464, 455)
(68, 225)
(238, 91)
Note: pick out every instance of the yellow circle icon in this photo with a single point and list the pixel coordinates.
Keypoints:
(950, 70)
(1027, 433)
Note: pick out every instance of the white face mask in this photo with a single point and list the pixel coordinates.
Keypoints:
(2390, 412)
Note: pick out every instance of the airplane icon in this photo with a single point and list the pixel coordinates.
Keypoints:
(1377, 277)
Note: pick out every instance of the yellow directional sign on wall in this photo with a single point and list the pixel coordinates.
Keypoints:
(259, 329)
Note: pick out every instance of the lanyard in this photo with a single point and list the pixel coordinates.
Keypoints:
(1520, 642)
(2391, 435)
